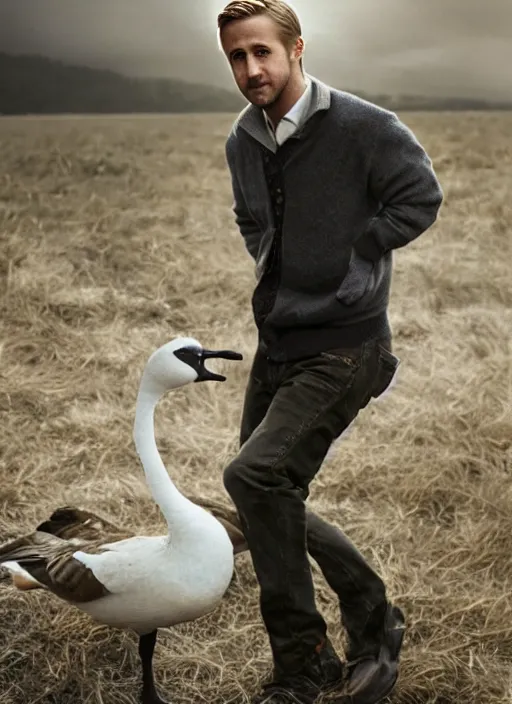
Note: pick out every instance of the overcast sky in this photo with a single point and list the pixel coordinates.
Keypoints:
(433, 47)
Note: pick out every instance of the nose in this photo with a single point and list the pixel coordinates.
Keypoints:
(253, 67)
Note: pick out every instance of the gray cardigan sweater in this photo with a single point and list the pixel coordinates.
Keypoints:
(349, 187)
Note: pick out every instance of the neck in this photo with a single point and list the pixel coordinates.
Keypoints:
(291, 93)
(174, 506)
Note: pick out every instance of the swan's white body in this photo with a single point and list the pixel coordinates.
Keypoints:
(155, 583)
(159, 581)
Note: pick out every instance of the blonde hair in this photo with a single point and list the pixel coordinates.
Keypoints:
(282, 14)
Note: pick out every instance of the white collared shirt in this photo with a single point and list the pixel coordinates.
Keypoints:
(291, 122)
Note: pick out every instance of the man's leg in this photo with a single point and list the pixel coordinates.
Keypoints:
(261, 387)
(346, 571)
(269, 480)
(360, 590)
(375, 628)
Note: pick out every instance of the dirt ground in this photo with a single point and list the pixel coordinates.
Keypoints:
(116, 234)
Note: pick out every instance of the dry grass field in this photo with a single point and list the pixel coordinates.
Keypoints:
(116, 234)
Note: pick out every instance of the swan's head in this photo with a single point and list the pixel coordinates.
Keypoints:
(182, 361)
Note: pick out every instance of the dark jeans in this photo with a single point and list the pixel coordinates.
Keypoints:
(292, 413)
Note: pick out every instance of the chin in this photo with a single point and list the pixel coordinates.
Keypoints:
(262, 101)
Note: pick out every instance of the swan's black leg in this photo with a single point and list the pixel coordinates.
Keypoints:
(146, 648)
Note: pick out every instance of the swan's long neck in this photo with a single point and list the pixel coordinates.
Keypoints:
(175, 507)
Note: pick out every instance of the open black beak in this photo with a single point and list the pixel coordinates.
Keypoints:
(204, 374)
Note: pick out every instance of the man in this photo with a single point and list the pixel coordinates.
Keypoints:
(325, 187)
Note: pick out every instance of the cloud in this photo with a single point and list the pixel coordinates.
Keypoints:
(443, 47)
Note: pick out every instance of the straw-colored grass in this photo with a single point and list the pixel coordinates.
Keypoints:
(117, 235)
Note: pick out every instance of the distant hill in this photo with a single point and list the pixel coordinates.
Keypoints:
(423, 102)
(38, 85)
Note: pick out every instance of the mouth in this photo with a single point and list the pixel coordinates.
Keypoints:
(204, 374)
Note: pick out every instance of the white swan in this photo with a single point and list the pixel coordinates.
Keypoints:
(140, 583)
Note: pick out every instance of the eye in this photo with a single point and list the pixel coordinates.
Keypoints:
(189, 355)
(237, 56)
(262, 52)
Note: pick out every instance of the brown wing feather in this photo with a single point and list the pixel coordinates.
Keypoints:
(47, 554)
(49, 559)
(229, 519)
(71, 522)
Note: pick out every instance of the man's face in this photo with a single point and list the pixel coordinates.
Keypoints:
(260, 62)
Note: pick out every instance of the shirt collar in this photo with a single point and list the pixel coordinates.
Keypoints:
(297, 111)
(251, 119)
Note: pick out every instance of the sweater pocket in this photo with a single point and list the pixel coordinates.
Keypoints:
(357, 281)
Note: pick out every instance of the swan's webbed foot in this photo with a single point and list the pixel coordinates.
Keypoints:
(146, 648)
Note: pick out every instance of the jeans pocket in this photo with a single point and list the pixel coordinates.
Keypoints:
(387, 366)
(342, 356)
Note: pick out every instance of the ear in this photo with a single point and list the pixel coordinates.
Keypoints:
(298, 49)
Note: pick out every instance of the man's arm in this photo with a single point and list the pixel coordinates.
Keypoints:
(248, 227)
(403, 181)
